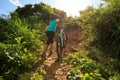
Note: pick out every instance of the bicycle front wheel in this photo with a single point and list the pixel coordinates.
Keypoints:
(65, 39)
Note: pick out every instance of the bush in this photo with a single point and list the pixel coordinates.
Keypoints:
(18, 48)
(83, 68)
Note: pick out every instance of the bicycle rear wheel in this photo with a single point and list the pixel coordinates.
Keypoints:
(59, 48)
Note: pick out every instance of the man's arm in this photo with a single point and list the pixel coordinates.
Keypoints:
(57, 21)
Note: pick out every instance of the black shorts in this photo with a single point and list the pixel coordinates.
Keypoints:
(50, 36)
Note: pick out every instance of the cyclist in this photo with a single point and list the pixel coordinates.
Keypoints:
(50, 34)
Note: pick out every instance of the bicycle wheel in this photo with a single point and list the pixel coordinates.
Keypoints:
(59, 48)
(65, 39)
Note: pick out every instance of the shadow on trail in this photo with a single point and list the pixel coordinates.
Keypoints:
(39, 63)
(51, 71)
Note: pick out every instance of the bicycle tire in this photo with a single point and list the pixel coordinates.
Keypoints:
(65, 38)
(59, 48)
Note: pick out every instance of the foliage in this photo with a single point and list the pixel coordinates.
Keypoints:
(21, 38)
(18, 46)
(101, 33)
(32, 75)
(84, 68)
(101, 27)
(42, 11)
(38, 75)
(22, 35)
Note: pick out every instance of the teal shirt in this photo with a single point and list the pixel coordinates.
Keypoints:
(52, 26)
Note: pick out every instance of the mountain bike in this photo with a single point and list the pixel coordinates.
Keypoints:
(61, 42)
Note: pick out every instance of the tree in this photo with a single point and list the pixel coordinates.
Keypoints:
(41, 11)
(25, 11)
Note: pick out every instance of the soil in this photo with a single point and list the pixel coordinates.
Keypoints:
(58, 70)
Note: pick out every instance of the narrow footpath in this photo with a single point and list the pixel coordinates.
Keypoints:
(58, 70)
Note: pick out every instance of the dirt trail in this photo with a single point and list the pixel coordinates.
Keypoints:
(56, 70)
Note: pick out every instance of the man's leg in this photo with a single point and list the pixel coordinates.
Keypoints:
(51, 48)
(51, 43)
(44, 51)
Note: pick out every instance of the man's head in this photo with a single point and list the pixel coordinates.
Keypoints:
(55, 15)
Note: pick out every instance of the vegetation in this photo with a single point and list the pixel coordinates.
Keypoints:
(22, 37)
(101, 35)
(21, 40)
(18, 50)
